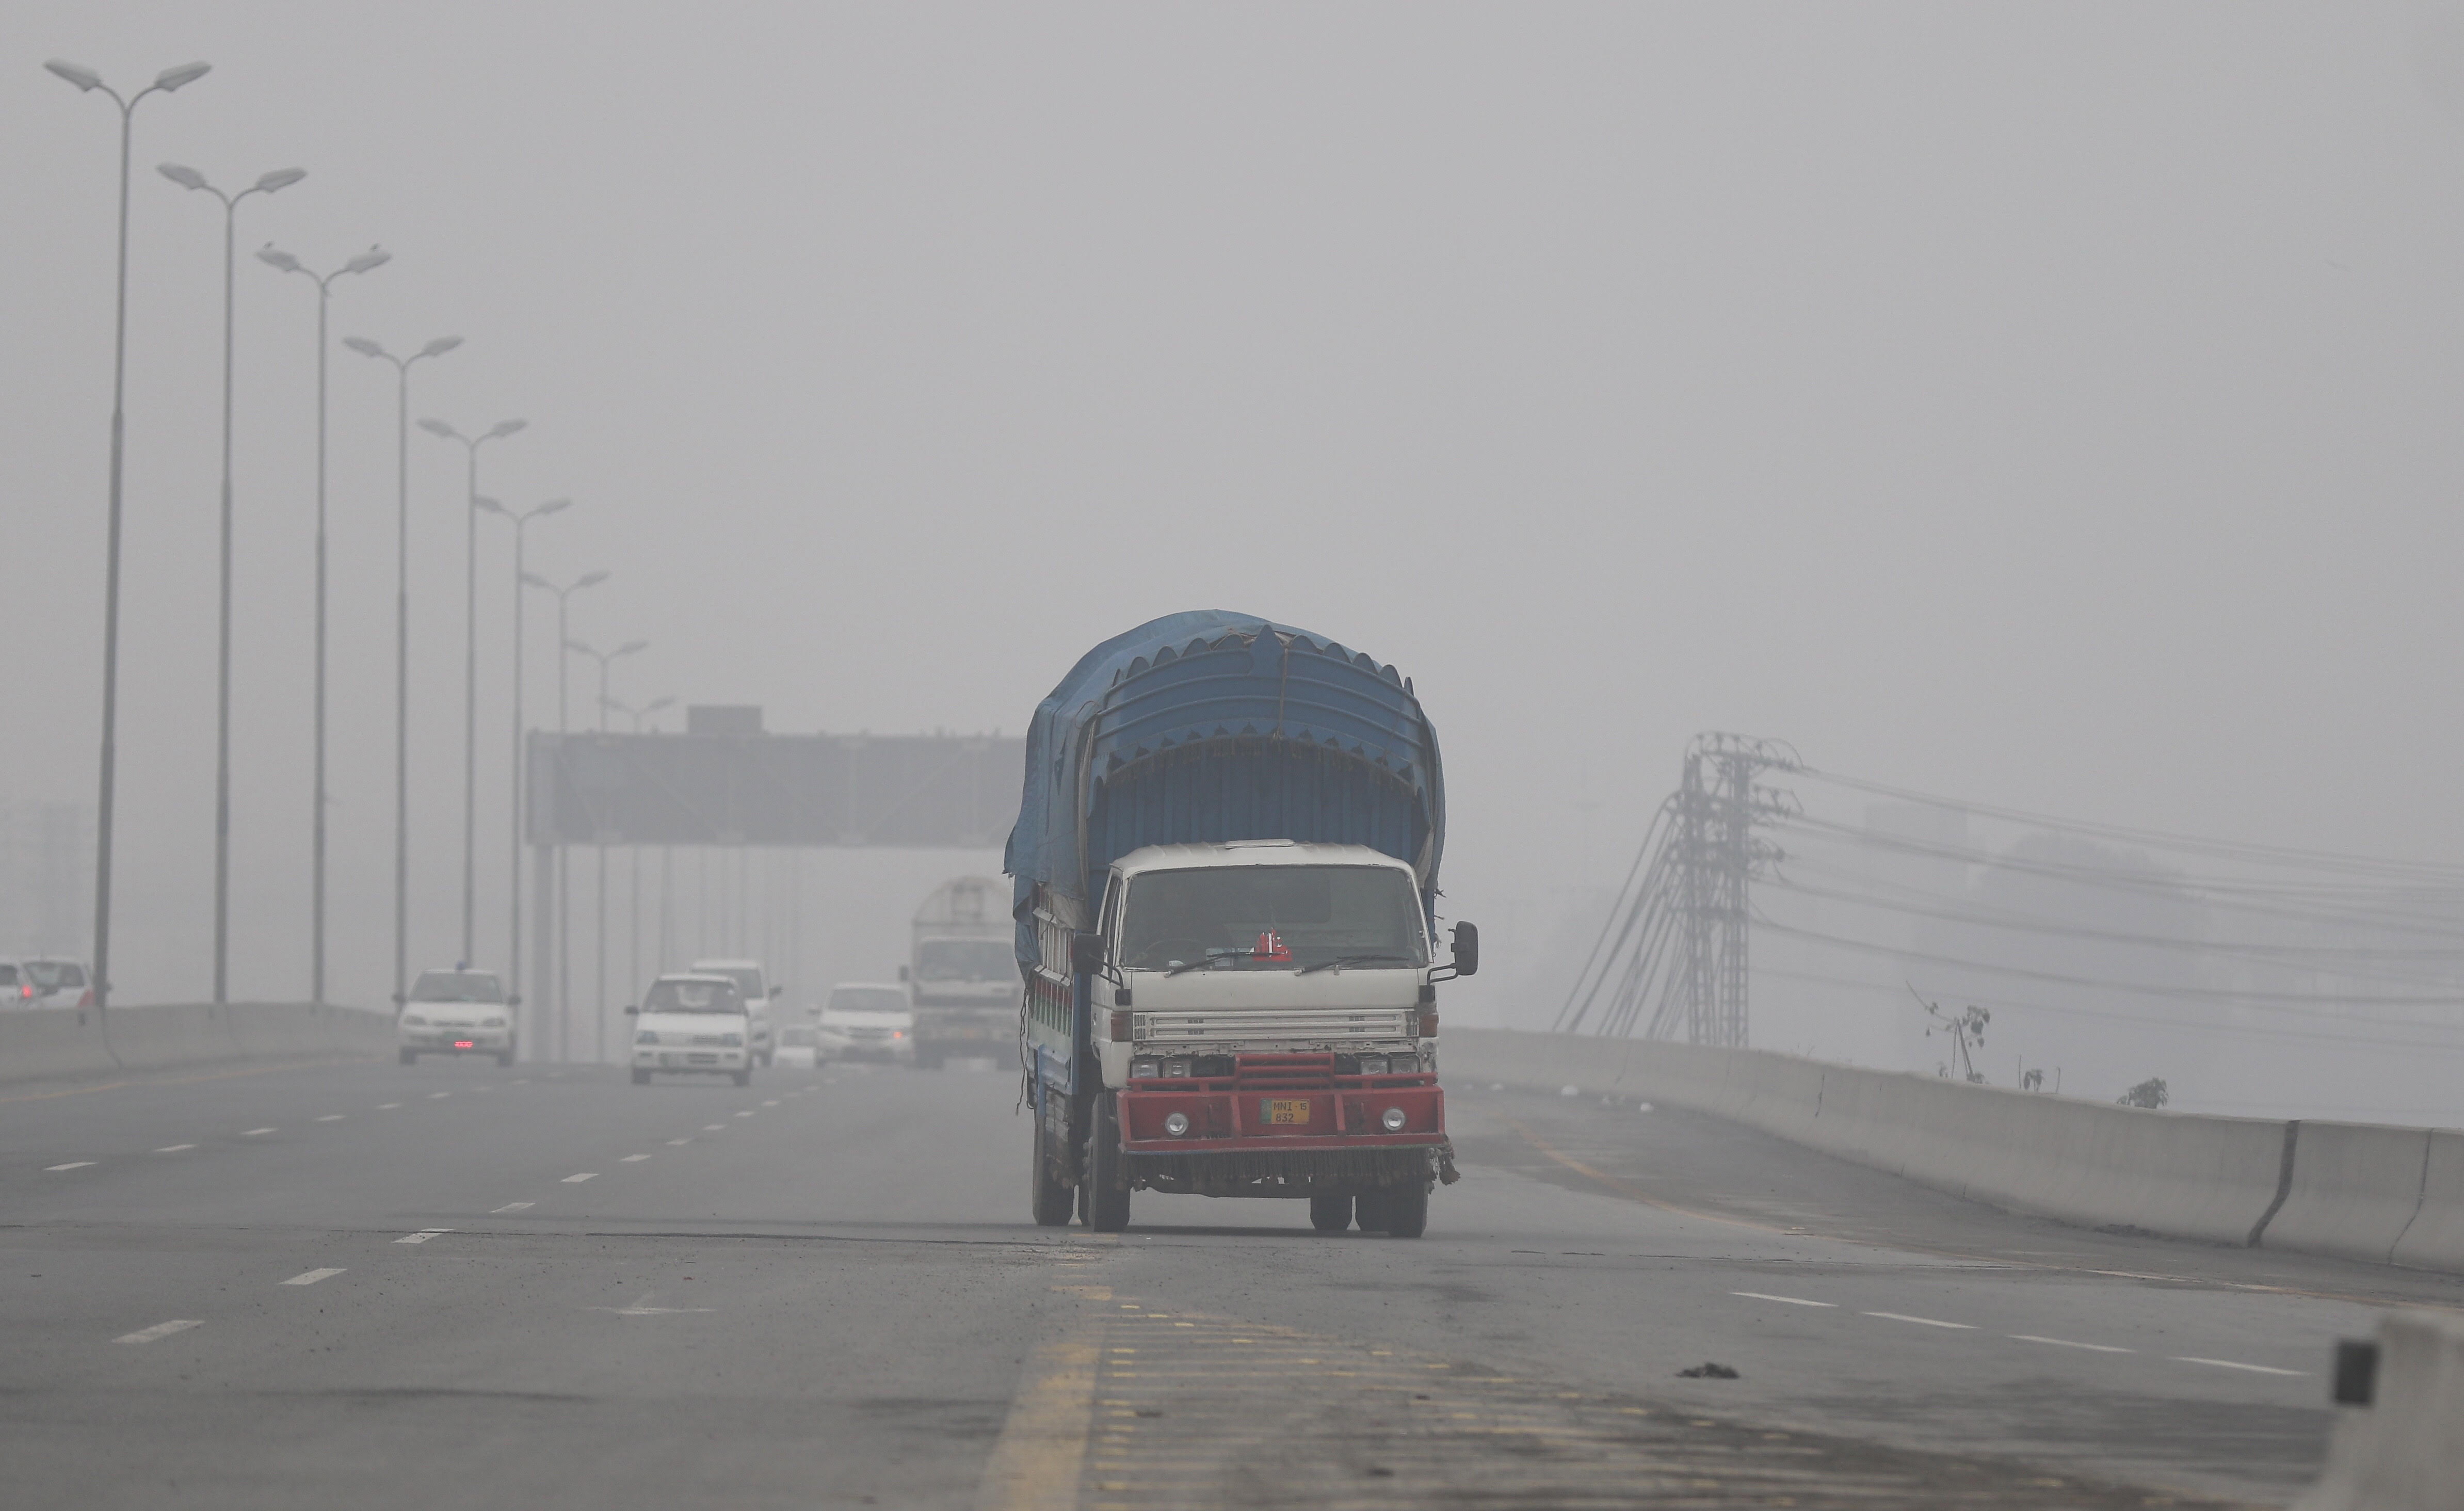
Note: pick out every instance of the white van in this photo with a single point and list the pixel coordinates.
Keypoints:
(754, 984)
(692, 1024)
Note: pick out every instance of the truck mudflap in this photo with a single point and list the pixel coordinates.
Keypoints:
(1288, 1124)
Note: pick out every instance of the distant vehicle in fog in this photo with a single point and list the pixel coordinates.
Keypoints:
(457, 1013)
(963, 971)
(698, 1023)
(796, 1047)
(866, 1021)
(55, 982)
(755, 985)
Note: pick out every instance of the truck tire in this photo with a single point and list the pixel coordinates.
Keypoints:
(1051, 1200)
(1407, 1212)
(640, 1078)
(1108, 1182)
(1371, 1207)
(1329, 1214)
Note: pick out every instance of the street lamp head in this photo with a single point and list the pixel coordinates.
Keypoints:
(590, 579)
(188, 178)
(656, 704)
(575, 644)
(551, 507)
(171, 79)
(280, 179)
(364, 346)
(440, 346)
(628, 647)
(373, 257)
(534, 580)
(440, 428)
(77, 73)
(274, 256)
(504, 427)
(488, 506)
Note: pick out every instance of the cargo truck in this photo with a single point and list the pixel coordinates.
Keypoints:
(1224, 882)
(960, 978)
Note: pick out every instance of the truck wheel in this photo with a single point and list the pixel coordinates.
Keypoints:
(1108, 1194)
(1407, 1212)
(1051, 1200)
(409, 1056)
(640, 1078)
(1372, 1206)
(1329, 1214)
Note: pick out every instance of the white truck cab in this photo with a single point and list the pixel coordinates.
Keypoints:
(696, 1024)
(755, 985)
(1263, 946)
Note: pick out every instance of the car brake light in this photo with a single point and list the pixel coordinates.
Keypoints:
(25, 991)
(899, 1033)
(461, 1043)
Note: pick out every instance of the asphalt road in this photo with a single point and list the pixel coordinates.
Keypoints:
(449, 1285)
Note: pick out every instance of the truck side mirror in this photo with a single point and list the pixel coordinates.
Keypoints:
(902, 973)
(1086, 954)
(515, 1000)
(631, 1011)
(1466, 949)
(781, 989)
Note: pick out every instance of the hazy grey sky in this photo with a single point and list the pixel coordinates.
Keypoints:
(2049, 405)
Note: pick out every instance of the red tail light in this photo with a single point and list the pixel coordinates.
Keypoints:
(86, 1001)
(1428, 1022)
(25, 991)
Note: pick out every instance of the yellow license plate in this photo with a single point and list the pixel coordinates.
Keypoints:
(1282, 1110)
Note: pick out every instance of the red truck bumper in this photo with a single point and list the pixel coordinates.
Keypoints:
(1286, 1125)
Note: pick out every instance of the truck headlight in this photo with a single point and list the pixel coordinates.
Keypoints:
(1141, 1068)
(1178, 1066)
(1176, 1123)
(1393, 1119)
(1406, 1064)
(645, 1036)
(413, 1021)
(1373, 1064)
(732, 1040)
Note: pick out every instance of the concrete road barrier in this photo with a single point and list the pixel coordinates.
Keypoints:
(55, 1042)
(2397, 1448)
(2380, 1194)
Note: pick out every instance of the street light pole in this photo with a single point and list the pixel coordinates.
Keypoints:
(599, 1012)
(521, 529)
(402, 640)
(563, 868)
(189, 178)
(633, 866)
(283, 261)
(471, 444)
(88, 80)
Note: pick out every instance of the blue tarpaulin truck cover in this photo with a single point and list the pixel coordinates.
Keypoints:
(1208, 726)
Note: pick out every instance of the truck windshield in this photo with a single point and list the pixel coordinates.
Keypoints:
(456, 986)
(691, 996)
(1276, 917)
(966, 960)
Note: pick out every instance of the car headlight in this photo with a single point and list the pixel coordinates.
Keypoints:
(1373, 1064)
(1176, 1123)
(413, 1021)
(645, 1036)
(1141, 1068)
(732, 1040)
(1393, 1119)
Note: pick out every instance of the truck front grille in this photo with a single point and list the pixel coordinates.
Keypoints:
(1227, 1028)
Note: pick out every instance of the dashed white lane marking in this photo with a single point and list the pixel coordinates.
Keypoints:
(175, 1148)
(634, 1159)
(576, 1180)
(514, 1206)
(2065, 1343)
(678, 1143)
(434, 1096)
(158, 1330)
(1922, 1321)
(388, 1106)
(311, 1277)
(714, 1128)
(770, 1103)
(644, 1308)
(331, 1117)
(2228, 1364)
(422, 1235)
(745, 1114)
(75, 1164)
(255, 1132)
(1792, 1300)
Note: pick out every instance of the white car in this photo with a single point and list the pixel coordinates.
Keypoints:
(457, 1013)
(57, 982)
(692, 1024)
(16, 987)
(796, 1046)
(757, 989)
(866, 1021)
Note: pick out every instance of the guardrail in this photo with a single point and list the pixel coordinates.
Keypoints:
(57, 1042)
(2385, 1194)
